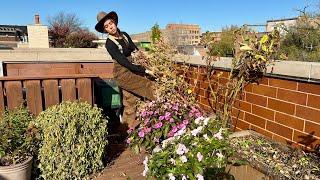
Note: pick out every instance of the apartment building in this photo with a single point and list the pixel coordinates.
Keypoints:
(184, 34)
(176, 34)
(287, 22)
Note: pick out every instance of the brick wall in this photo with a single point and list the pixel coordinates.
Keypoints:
(103, 70)
(287, 111)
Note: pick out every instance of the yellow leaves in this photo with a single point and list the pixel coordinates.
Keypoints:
(245, 47)
(264, 39)
(283, 57)
(189, 91)
(220, 74)
(258, 57)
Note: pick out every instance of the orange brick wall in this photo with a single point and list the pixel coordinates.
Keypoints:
(104, 70)
(285, 110)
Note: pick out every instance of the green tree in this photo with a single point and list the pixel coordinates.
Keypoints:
(302, 41)
(155, 33)
(224, 46)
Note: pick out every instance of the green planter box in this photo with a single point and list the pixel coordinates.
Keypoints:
(107, 94)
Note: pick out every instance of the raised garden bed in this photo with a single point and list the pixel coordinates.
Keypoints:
(274, 160)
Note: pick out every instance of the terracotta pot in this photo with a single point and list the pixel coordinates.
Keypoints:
(20, 171)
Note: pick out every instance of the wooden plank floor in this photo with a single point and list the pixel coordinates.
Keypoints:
(124, 165)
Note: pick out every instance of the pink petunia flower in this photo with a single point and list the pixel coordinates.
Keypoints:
(167, 115)
(170, 134)
(129, 130)
(158, 125)
(143, 114)
(175, 107)
(141, 134)
(150, 113)
(147, 130)
(198, 114)
(174, 129)
(181, 126)
(185, 122)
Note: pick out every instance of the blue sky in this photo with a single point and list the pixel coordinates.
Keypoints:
(140, 15)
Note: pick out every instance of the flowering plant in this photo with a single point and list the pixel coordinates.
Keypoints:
(191, 155)
(160, 120)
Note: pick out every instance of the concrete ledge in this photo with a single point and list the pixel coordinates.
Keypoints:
(55, 55)
(309, 71)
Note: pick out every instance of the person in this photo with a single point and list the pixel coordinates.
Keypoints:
(131, 78)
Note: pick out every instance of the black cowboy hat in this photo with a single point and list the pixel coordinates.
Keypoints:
(102, 17)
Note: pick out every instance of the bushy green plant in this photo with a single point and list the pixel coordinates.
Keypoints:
(193, 154)
(73, 140)
(16, 143)
(155, 33)
(301, 41)
(223, 47)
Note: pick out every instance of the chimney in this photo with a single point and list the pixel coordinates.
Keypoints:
(37, 19)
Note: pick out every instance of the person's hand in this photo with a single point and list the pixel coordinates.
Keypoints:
(149, 72)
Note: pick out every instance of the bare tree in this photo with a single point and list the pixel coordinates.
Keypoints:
(61, 26)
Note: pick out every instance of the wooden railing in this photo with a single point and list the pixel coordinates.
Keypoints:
(38, 93)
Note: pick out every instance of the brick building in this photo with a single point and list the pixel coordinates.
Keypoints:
(30, 36)
(177, 34)
(11, 35)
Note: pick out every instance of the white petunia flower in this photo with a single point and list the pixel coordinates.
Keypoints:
(206, 120)
(180, 132)
(218, 135)
(199, 156)
(182, 149)
(145, 162)
(145, 171)
(205, 136)
(184, 177)
(183, 159)
(196, 131)
(166, 142)
(171, 177)
(172, 161)
(199, 119)
(220, 155)
(199, 177)
(156, 149)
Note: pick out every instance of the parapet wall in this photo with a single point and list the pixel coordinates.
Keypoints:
(284, 106)
(56, 61)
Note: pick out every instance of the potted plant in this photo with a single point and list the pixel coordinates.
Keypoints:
(16, 144)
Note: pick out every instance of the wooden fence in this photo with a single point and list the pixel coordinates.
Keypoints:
(38, 93)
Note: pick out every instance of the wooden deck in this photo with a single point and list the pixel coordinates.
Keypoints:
(123, 164)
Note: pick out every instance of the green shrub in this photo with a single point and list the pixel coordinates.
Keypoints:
(15, 139)
(73, 138)
(302, 41)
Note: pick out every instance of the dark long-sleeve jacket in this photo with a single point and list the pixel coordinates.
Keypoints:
(127, 49)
